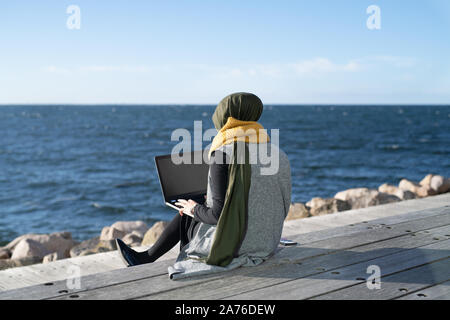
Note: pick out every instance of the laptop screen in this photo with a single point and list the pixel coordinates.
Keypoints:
(181, 180)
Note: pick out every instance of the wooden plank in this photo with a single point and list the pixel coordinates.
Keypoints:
(214, 286)
(59, 270)
(363, 226)
(118, 277)
(396, 285)
(373, 233)
(42, 273)
(386, 211)
(289, 270)
(312, 286)
(437, 292)
(57, 288)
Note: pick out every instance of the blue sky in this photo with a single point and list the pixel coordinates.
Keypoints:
(199, 51)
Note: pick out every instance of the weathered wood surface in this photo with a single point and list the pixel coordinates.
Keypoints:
(343, 223)
(59, 270)
(357, 216)
(368, 225)
(267, 279)
(396, 285)
(438, 292)
(323, 263)
(312, 286)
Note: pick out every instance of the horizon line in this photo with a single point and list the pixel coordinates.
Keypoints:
(215, 104)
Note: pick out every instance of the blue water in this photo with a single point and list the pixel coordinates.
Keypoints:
(79, 168)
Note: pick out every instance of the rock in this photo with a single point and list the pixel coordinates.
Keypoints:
(153, 233)
(297, 211)
(420, 190)
(395, 191)
(139, 233)
(111, 233)
(84, 246)
(9, 263)
(60, 242)
(5, 253)
(425, 182)
(320, 206)
(132, 240)
(405, 184)
(92, 246)
(6, 264)
(29, 248)
(352, 193)
(63, 234)
(408, 195)
(383, 198)
(52, 257)
(364, 197)
(130, 226)
(37, 237)
(440, 184)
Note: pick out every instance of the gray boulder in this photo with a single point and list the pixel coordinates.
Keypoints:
(60, 242)
(52, 257)
(440, 184)
(132, 239)
(421, 191)
(29, 248)
(9, 263)
(130, 226)
(111, 233)
(5, 253)
(320, 206)
(395, 191)
(297, 211)
(364, 197)
(153, 233)
(92, 246)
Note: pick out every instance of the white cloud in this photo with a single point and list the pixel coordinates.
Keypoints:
(393, 61)
(103, 68)
(324, 65)
(54, 69)
(305, 68)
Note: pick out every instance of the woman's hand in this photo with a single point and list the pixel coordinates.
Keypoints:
(186, 206)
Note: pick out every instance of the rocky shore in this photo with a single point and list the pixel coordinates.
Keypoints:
(43, 248)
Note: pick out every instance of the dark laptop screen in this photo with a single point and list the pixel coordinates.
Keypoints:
(181, 180)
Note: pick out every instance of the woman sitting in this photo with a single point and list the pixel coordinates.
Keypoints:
(241, 222)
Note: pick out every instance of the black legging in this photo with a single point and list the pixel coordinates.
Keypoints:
(181, 228)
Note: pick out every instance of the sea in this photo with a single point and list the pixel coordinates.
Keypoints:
(79, 168)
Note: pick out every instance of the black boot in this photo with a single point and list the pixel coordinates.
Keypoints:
(128, 255)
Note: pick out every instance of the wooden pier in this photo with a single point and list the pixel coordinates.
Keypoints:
(407, 242)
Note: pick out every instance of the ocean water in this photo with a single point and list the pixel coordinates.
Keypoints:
(79, 168)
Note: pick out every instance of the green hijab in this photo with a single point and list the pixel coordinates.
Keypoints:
(232, 225)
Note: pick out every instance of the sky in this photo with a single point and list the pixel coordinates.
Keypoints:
(192, 51)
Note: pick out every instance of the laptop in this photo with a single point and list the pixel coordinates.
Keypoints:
(182, 181)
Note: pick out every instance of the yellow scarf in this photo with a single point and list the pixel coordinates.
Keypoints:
(237, 130)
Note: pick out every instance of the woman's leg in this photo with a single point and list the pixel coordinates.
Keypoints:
(168, 239)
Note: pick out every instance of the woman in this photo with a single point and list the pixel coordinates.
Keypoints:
(242, 219)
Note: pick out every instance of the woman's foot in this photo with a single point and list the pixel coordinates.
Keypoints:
(128, 255)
